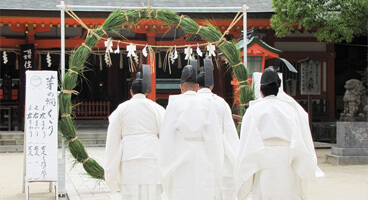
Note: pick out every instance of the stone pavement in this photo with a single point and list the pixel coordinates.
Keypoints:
(80, 186)
(341, 182)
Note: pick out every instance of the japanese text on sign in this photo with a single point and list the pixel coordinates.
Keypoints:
(41, 125)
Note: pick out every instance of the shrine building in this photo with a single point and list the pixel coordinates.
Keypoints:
(28, 26)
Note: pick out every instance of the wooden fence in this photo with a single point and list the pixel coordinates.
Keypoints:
(92, 109)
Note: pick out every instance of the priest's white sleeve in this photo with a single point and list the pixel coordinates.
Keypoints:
(173, 148)
(113, 152)
(249, 157)
(231, 143)
(160, 113)
(231, 138)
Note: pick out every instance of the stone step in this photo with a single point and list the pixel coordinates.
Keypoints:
(11, 148)
(12, 141)
(83, 133)
(91, 123)
(87, 140)
(11, 135)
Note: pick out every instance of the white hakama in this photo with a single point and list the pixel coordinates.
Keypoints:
(276, 156)
(191, 155)
(132, 148)
(230, 141)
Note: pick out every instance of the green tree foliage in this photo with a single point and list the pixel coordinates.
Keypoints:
(334, 20)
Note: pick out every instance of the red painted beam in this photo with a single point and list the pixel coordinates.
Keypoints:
(11, 43)
(94, 22)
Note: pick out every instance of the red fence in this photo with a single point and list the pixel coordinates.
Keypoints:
(92, 110)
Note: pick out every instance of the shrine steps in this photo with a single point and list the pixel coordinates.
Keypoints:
(92, 133)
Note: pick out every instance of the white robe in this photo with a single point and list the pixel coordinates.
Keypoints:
(276, 154)
(230, 143)
(190, 157)
(132, 148)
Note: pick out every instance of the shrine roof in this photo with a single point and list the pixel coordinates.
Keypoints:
(182, 6)
(255, 38)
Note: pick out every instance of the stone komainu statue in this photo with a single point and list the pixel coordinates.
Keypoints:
(355, 102)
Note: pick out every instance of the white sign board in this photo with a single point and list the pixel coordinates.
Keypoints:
(256, 84)
(41, 126)
(310, 82)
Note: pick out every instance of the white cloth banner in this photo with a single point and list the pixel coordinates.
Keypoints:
(41, 126)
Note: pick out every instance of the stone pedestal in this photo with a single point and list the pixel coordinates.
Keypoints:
(352, 144)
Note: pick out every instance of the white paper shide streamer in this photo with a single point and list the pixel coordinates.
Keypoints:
(174, 55)
(144, 51)
(48, 59)
(5, 57)
(199, 52)
(188, 53)
(211, 49)
(117, 51)
(131, 52)
(108, 45)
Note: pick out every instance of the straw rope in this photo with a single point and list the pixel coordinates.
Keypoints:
(181, 18)
(224, 41)
(126, 16)
(83, 44)
(237, 17)
(72, 71)
(74, 16)
(70, 92)
(84, 161)
(73, 139)
(90, 31)
(220, 42)
(237, 64)
(149, 10)
(240, 82)
(139, 12)
(65, 115)
(199, 29)
(160, 46)
(102, 30)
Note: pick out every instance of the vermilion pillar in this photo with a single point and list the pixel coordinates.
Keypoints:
(151, 59)
(152, 95)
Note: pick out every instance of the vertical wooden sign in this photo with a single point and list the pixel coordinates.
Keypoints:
(310, 83)
(41, 126)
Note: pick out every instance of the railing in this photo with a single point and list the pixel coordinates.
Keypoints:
(319, 109)
(12, 96)
(92, 109)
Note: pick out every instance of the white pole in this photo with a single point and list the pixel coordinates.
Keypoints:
(245, 49)
(62, 35)
(61, 174)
